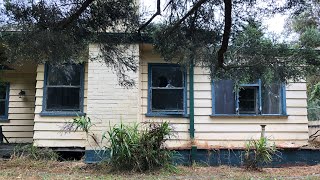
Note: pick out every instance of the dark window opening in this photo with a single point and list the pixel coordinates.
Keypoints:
(63, 98)
(224, 97)
(248, 103)
(64, 88)
(166, 89)
(4, 100)
(2, 108)
(255, 98)
(167, 100)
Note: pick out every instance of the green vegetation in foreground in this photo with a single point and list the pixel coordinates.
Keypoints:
(24, 168)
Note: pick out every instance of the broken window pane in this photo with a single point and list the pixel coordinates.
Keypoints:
(224, 97)
(63, 98)
(2, 108)
(64, 75)
(167, 99)
(167, 89)
(271, 99)
(248, 101)
(167, 77)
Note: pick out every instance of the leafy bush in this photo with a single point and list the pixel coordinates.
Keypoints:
(139, 150)
(34, 153)
(314, 110)
(257, 153)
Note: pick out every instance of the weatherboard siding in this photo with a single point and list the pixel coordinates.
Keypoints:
(212, 132)
(19, 126)
(108, 102)
(48, 130)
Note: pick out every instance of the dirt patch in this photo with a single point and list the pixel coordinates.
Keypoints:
(27, 169)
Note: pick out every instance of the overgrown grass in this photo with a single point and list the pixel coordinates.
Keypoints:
(34, 153)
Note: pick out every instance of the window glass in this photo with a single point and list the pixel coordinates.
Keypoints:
(248, 100)
(271, 99)
(63, 88)
(169, 100)
(3, 92)
(3, 99)
(2, 108)
(167, 77)
(63, 98)
(224, 97)
(64, 75)
(167, 89)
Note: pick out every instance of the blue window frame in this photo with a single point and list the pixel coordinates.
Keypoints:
(63, 90)
(248, 99)
(167, 92)
(4, 100)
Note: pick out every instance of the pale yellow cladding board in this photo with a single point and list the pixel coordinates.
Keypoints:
(20, 122)
(60, 143)
(21, 140)
(234, 120)
(58, 135)
(17, 128)
(18, 134)
(241, 128)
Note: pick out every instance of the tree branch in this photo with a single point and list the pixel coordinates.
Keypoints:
(226, 32)
(190, 12)
(150, 20)
(63, 24)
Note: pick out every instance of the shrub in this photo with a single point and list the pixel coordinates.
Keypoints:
(139, 150)
(257, 153)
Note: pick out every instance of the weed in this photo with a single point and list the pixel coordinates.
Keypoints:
(257, 153)
(132, 149)
(81, 122)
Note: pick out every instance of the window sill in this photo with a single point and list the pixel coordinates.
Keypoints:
(62, 113)
(166, 115)
(4, 119)
(249, 116)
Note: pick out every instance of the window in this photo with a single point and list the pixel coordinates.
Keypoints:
(248, 99)
(63, 90)
(167, 90)
(4, 100)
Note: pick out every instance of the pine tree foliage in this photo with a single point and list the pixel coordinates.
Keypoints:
(225, 36)
(60, 31)
(306, 23)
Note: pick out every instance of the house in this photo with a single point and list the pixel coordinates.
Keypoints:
(36, 101)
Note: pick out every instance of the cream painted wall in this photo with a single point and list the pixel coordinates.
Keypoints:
(19, 127)
(108, 102)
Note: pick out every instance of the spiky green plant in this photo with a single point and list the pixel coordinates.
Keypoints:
(258, 152)
(139, 149)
